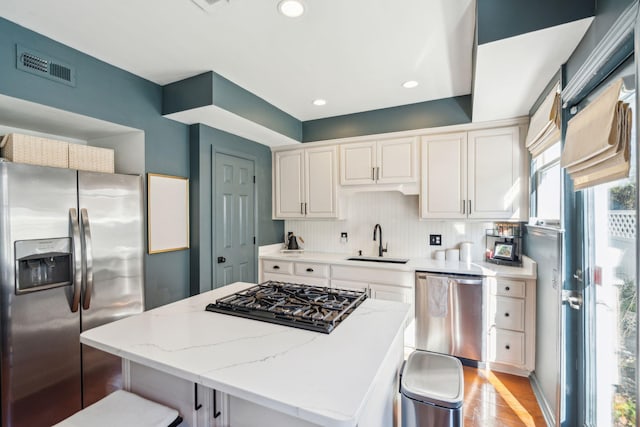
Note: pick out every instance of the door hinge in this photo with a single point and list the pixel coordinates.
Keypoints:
(254, 179)
(254, 240)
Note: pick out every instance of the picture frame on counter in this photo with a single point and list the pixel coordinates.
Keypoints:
(167, 213)
(504, 250)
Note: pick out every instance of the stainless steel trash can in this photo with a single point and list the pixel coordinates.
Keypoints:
(432, 388)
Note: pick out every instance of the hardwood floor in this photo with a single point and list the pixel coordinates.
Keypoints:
(493, 399)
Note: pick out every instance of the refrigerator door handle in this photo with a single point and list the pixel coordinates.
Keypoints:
(77, 259)
(88, 258)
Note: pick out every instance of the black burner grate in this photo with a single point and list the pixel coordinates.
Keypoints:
(315, 308)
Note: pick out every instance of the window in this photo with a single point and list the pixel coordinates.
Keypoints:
(546, 187)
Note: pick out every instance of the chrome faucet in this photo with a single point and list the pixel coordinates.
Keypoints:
(380, 249)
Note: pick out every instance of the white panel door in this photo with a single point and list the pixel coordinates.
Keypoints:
(288, 186)
(494, 189)
(397, 161)
(443, 192)
(357, 163)
(321, 181)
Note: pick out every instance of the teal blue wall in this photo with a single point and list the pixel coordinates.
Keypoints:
(205, 143)
(500, 19)
(607, 11)
(441, 112)
(212, 89)
(108, 93)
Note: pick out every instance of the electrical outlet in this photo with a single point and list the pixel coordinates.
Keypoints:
(435, 239)
(343, 235)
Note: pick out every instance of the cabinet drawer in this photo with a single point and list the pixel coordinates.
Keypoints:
(348, 284)
(510, 288)
(280, 267)
(315, 281)
(509, 313)
(507, 347)
(313, 270)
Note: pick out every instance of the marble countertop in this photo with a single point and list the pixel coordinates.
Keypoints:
(324, 379)
(528, 270)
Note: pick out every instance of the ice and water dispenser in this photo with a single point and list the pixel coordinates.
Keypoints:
(43, 264)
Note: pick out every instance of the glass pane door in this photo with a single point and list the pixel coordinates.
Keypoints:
(610, 297)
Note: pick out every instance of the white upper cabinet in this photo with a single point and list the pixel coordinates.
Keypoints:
(358, 162)
(305, 183)
(392, 161)
(321, 182)
(477, 175)
(495, 171)
(444, 176)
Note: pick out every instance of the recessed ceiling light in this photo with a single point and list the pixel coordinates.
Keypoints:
(319, 102)
(291, 8)
(410, 84)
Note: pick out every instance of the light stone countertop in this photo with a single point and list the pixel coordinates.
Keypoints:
(528, 270)
(324, 379)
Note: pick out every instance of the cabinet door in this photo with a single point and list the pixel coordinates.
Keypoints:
(397, 161)
(443, 192)
(321, 181)
(494, 187)
(357, 163)
(391, 293)
(288, 185)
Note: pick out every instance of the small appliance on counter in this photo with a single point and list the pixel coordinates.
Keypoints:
(504, 244)
(293, 243)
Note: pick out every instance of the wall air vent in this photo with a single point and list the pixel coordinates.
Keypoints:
(45, 66)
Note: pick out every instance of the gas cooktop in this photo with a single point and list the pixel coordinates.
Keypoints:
(315, 308)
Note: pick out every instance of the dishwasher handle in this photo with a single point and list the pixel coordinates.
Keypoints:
(468, 281)
(460, 279)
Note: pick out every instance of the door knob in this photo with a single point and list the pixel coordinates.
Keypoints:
(221, 259)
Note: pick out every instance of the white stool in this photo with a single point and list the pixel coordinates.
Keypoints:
(122, 408)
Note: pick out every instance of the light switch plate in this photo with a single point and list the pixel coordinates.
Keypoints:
(435, 239)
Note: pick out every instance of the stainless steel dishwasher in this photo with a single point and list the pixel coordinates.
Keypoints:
(450, 315)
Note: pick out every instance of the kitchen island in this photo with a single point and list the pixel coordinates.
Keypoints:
(259, 373)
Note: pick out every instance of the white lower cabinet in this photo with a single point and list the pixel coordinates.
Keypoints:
(195, 403)
(389, 285)
(316, 274)
(507, 346)
(511, 328)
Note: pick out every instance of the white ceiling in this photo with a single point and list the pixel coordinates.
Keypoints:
(511, 73)
(353, 53)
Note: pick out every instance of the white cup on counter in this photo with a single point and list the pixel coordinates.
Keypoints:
(465, 251)
(453, 255)
(439, 255)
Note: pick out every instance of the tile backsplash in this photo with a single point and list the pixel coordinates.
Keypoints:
(403, 231)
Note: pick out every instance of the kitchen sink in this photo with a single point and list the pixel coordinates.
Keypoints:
(379, 259)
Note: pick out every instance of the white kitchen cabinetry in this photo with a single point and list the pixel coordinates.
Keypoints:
(477, 175)
(389, 285)
(296, 272)
(392, 161)
(511, 326)
(195, 405)
(305, 183)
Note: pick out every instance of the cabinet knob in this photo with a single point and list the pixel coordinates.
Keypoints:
(507, 288)
(506, 315)
(310, 270)
(508, 347)
(276, 267)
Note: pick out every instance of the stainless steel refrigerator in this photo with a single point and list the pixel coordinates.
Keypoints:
(71, 258)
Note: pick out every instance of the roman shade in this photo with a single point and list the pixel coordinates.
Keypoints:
(597, 146)
(544, 126)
